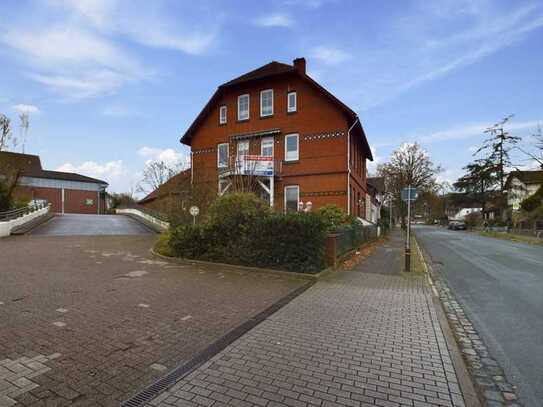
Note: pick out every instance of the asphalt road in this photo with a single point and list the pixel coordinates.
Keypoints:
(500, 285)
(91, 225)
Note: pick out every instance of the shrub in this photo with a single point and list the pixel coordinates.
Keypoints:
(243, 230)
(332, 216)
(533, 201)
(5, 201)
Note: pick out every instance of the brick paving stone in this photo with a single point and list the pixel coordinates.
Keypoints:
(110, 347)
(356, 338)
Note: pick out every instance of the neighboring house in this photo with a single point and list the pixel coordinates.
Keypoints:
(277, 125)
(375, 198)
(170, 195)
(67, 192)
(520, 185)
(463, 212)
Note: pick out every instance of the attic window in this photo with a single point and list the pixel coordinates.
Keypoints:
(222, 115)
(243, 107)
(291, 102)
(266, 103)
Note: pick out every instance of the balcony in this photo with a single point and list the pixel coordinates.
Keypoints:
(252, 165)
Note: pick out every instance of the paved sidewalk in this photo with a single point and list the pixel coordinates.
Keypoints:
(357, 338)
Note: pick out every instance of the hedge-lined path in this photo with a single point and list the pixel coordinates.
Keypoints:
(365, 337)
(90, 320)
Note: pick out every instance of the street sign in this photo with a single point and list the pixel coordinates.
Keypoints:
(409, 194)
(194, 210)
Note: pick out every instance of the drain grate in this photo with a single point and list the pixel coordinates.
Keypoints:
(165, 382)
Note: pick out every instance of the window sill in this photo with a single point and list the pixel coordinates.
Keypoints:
(222, 124)
(242, 120)
(293, 112)
(291, 161)
(268, 116)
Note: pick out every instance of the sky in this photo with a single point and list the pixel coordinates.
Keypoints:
(112, 84)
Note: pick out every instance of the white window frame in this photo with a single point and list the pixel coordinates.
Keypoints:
(292, 109)
(269, 141)
(262, 92)
(241, 143)
(223, 118)
(248, 106)
(297, 187)
(297, 155)
(219, 155)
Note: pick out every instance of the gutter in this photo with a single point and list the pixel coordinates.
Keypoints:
(349, 166)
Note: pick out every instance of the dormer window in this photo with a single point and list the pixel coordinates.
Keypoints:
(291, 102)
(243, 107)
(266, 103)
(222, 114)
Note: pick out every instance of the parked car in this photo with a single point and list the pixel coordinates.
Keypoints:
(457, 225)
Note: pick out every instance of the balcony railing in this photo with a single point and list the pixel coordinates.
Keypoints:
(252, 165)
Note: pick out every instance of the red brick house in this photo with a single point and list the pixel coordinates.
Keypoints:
(277, 124)
(67, 192)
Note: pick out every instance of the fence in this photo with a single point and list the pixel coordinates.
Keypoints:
(346, 239)
(154, 219)
(17, 217)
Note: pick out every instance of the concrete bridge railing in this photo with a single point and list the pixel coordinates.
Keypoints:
(145, 217)
(9, 223)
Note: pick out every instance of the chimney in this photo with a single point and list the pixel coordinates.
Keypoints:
(299, 65)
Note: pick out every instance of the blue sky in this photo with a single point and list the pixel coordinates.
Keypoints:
(110, 84)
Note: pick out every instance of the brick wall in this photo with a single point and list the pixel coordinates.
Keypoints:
(321, 171)
(74, 200)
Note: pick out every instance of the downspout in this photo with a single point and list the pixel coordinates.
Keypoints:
(349, 167)
(191, 168)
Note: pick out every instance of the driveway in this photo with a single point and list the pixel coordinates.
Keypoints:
(500, 286)
(91, 225)
(89, 320)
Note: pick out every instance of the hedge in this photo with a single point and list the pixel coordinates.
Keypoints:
(241, 229)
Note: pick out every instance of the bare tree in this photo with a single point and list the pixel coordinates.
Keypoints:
(537, 143)
(5, 132)
(24, 118)
(155, 174)
(409, 165)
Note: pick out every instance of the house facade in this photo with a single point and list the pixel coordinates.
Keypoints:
(297, 142)
(522, 184)
(66, 192)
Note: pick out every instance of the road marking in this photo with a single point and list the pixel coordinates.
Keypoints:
(186, 318)
(61, 310)
(59, 324)
(143, 305)
(137, 273)
(159, 367)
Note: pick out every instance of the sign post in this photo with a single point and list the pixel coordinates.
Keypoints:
(194, 211)
(408, 194)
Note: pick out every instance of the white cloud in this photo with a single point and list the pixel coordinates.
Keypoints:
(23, 108)
(372, 165)
(117, 111)
(471, 130)
(275, 20)
(113, 172)
(169, 156)
(330, 55)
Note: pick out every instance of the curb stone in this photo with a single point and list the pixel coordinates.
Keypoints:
(487, 375)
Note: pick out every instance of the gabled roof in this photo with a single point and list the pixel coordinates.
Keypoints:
(527, 177)
(275, 69)
(265, 71)
(30, 166)
(169, 187)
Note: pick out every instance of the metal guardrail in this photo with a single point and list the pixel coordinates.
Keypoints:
(17, 213)
(151, 212)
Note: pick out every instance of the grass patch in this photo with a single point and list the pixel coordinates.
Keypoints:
(513, 237)
(162, 245)
(418, 268)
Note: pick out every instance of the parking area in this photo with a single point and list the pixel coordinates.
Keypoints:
(91, 225)
(89, 320)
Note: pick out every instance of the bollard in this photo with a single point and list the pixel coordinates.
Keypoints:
(407, 260)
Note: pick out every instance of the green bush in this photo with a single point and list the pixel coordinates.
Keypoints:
(5, 202)
(332, 215)
(242, 230)
(533, 201)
